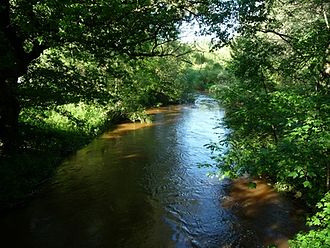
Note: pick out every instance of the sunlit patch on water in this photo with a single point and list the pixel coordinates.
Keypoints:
(171, 113)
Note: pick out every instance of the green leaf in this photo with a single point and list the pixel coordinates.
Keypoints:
(252, 185)
(307, 184)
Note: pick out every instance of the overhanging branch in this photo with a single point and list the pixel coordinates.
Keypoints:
(284, 37)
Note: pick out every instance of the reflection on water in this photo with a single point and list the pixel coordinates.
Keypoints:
(137, 186)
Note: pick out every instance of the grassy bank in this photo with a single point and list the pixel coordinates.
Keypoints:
(47, 136)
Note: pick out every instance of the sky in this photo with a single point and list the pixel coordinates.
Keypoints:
(188, 33)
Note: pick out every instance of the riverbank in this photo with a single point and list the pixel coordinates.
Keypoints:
(42, 150)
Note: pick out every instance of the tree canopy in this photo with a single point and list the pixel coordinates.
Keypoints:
(100, 31)
(276, 96)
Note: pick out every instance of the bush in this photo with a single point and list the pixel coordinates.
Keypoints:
(319, 236)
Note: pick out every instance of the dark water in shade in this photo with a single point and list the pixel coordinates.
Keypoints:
(137, 186)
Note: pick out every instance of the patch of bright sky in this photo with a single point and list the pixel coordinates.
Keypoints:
(189, 33)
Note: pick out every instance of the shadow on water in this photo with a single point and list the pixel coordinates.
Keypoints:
(272, 218)
(139, 186)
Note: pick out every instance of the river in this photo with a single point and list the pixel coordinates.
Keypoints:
(138, 185)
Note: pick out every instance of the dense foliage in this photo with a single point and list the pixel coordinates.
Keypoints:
(100, 34)
(276, 96)
(205, 66)
(319, 236)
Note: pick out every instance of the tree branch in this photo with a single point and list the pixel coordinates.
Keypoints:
(326, 19)
(284, 37)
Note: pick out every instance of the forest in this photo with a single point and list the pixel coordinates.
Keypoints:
(69, 69)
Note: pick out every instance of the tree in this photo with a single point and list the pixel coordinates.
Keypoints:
(278, 101)
(277, 106)
(102, 28)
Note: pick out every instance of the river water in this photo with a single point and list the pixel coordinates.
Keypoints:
(138, 185)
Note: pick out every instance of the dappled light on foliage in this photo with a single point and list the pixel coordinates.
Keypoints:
(276, 96)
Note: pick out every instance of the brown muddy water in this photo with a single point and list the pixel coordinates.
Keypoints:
(139, 185)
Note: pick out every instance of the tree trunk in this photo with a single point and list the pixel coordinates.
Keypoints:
(9, 111)
(15, 64)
